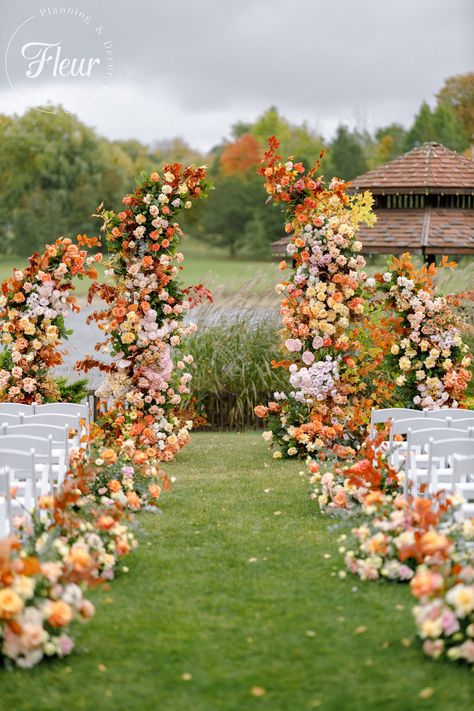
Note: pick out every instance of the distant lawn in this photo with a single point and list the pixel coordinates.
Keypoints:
(203, 264)
(235, 588)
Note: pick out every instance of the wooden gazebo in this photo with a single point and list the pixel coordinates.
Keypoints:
(424, 202)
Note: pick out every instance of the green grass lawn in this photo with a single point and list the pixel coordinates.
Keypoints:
(233, 596)
(202, 264)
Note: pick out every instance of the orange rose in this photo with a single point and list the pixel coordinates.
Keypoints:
(139, 457)
(79, 558)
(261, 410)
(433, 542)
(46, 502)
(10, 604)
(18, 297)
(60, 614)
(154, 177)
(426, 583)
(114, 485)
(122, 546)
(340, 499)
(105, 522)
(109, 456)
(154, 490)
(133, 500)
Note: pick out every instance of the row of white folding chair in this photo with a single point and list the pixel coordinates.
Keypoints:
(53, 467)
(59, 408)
(403, 413)
(72, 422)
(463, 477)
(60, 441)
(436, 468)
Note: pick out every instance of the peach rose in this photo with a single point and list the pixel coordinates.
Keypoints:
(10, 603)
(122, 546)
(154, 490)
(114, 485)
(60, 613)
(109, 456)
(133, 500)
(86, 610)
(105, 522)
(426, 583)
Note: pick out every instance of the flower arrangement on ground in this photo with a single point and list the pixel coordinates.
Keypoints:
(144, 318)
(331, 378)
(444, 615)
(429, 362)
(38, 605)
(399, 533)
(33, 304)
(343, 489)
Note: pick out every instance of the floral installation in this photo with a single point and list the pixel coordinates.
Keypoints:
(399, 533)
(330, 358)
(343, 489)
(33, 304)
(38, 605)
(444, 615)
(144, 319)
(429, 362)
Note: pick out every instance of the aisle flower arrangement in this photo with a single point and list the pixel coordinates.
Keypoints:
(444, 615)
(33, 305)
(143, 321)
(38, 605)
(429, 362)
(75, 539)
(398, 533)
(331, 361)
(343, 489)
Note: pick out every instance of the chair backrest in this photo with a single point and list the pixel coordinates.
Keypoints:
(58, 434)
(449, 447)
(394, 414)
(49, 418)
(462, 467)
(463, 423)
(454, 413)
(22, 442)
(66, 408)
(7, 419)
(21, 464)
(16, 408)
(421, 437)
(414, 424)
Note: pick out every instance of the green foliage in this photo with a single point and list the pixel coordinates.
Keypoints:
(440, 125)
(347, 154)
(71, 392)
(232, 371)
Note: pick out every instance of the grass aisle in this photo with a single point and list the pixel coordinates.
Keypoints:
(227, 591)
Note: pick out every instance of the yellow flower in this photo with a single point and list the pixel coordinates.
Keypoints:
(10, 603)
(404, 363)
(128, 337)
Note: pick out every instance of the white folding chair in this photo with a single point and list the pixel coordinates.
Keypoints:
(6, 525)
(60, 445)
(417, 461)
(6, 419)
(397, 449)
(463, 478)
(22, 466)
(16, 408)
(43, 451)
(59, 420)
(454, 413)
(392, 413)
(446, 448)
(64, 408)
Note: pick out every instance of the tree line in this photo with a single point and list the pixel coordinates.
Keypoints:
(55, 170)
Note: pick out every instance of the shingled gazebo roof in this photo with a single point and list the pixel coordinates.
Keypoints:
(424, 201)
(428, 169)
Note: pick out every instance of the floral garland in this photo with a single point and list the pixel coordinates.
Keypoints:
(144, 319)
(429, 361)
(331, 363)
(33, 304)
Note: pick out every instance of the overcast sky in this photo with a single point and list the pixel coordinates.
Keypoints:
(193, 68)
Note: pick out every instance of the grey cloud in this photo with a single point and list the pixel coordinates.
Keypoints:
(191, 64)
